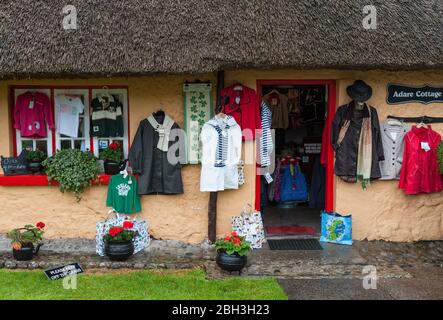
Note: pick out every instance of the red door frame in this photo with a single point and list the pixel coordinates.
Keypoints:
(332, 105)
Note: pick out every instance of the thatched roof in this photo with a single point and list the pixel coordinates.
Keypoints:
(137, 37)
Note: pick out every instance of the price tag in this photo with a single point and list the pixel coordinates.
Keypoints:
(425, 146)
(268, 178)
(31, 104)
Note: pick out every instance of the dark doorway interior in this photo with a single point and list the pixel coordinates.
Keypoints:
(297, 145)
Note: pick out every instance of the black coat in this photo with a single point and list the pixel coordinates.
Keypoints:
(346, 155)
(157, 175)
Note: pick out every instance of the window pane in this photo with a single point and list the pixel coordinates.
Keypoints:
(79, 144)
(81, 127)
(42, 145)
(27, 144)
(65, 144)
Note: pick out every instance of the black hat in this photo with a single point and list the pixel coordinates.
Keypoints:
(359, 91)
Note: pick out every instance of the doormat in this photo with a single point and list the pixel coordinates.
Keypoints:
(290, 230)
(295, 244)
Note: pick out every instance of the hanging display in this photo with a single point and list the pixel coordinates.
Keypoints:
(68, 108)
(249, 224)
(419, 173)
(122, 194)
(148, 156)
(294, 186)
(266, 144)
(242, 103)
(31, 114)
(356, 138)
(198, 110)
(392, 134)
(221, 153)
(278, 104)
(106, 116)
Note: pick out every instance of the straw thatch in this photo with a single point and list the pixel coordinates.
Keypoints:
(136, 37)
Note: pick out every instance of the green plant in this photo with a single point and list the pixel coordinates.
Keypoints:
(73, 169)
(112, 153)
(120, 233)
(440, 157)
(27, 235)
(234, 244)
(35, 156)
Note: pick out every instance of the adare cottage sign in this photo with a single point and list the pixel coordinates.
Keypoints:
(398, 93)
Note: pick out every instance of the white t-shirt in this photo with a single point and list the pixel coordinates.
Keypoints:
(68, 109)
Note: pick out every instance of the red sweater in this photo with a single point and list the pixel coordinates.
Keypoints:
(244, 106)
(31, 111)
(419, 172)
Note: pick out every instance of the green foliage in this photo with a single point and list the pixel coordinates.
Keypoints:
(26, 235)
(73, 169)
(440, 157)
(234, 244)
(35, 156)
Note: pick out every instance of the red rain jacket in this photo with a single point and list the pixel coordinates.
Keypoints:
(419, 172)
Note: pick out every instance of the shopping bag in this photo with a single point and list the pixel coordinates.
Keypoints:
(336, 228)
(294, 187)
(249, 224)
(141, 240)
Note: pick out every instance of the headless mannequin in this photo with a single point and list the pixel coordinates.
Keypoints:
(159, 116)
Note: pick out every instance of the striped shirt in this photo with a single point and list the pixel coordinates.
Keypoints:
(266, 144)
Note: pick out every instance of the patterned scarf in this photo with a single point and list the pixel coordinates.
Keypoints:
(221, 155)
(364, 162)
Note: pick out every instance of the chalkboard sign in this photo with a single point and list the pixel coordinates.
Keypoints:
(63, 271)
(398, 94)
(13, 166)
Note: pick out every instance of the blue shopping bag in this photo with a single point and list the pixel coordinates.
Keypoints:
(336, 228)
(294, 186)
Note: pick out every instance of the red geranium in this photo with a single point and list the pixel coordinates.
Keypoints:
(234, 234)
(128, 225)
(236, 240)
(40, 225)
(115, 231)
(114, 146)
(227, 238)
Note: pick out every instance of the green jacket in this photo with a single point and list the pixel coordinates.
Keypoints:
(122, 195)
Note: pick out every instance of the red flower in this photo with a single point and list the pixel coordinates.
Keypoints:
(227, 238)
(114, 145)
(40, 225)
(236, 241)
(128, 225)
(115, 231)
(234, 234)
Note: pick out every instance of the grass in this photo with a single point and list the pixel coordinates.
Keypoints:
(136, 285)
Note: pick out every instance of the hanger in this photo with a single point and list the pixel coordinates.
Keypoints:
(422, 123)
(104, 92)
(237, 87)
(394, 122)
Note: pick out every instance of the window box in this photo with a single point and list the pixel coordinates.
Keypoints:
(40, 180)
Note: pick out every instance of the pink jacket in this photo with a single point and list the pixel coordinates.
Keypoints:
(31, 111)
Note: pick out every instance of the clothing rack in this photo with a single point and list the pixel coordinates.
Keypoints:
(424, 119)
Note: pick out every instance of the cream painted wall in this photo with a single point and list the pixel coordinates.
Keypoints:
(382, 212)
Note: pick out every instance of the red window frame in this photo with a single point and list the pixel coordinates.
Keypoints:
(34, 180)
(332, 106)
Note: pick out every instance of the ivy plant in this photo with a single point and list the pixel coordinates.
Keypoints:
(73, 169)
(440, 157)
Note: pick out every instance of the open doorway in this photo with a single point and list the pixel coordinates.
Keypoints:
(302, 181)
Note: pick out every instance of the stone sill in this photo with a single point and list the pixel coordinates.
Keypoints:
(40, 180)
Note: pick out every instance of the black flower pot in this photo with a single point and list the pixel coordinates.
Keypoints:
(26, 253)
(35, 167)
(230, 262)
(119, 251)
(111, 167)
